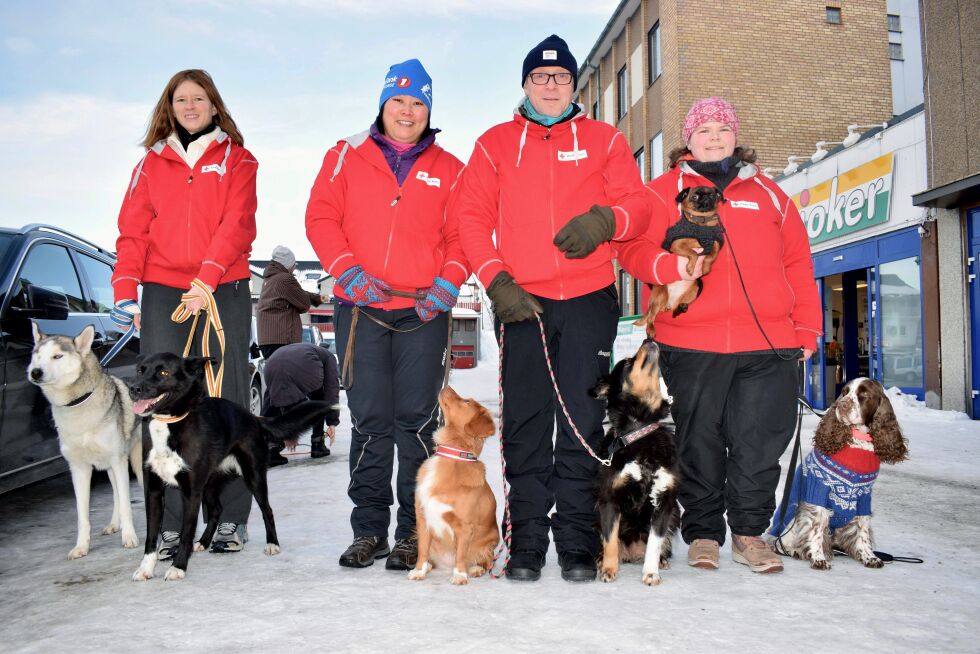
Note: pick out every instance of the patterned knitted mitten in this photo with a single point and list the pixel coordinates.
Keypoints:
(440, 297)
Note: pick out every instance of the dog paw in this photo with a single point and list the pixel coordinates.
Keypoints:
(272, 549)
(111, 529)
(142, 574)
(608, 575)
(174, 574)
(651, 579)
(820, 564)
(78, 552)
(476, 571)
(416, 575)
(198, 547)
(459, 578)
(130, 540)
(664, 564)
(873, 563)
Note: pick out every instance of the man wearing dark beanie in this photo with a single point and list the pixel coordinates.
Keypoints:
(539, 204)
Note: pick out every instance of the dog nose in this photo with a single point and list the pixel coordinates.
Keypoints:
(36, 374)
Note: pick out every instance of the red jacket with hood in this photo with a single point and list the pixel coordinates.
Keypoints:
(358, 215)
(767, 235)
(177, 223)
(525, 181)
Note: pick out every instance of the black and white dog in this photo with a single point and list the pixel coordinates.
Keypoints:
(637, 493)
(198, 443)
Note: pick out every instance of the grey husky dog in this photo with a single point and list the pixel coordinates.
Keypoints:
(96, 426)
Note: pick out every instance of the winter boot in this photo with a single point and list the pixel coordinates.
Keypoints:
(275, 457)
(318, 448)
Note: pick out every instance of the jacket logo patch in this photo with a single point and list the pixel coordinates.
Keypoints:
(431, 181)
(743, 204)
(549, 54)
(212, 168)
(573, 155)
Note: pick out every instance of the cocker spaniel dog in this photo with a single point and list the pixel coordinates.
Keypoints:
(831, 491)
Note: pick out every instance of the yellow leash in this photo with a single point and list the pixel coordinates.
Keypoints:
(181, 314)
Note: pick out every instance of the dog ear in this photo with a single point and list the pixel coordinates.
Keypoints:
(683, 194)
(38, 334)
(481, 425)
(889, 442)
(601, 389)
(83, 342)
(195, 365)
(832, 434)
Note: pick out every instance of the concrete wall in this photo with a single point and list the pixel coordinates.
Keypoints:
(953, 307)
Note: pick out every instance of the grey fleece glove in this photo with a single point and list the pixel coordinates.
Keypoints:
(511, 303)
(584, 233)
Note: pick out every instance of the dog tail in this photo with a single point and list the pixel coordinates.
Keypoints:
(296, 419)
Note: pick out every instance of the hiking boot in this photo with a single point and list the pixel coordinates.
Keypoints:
(755, 553)
(319, 449)
(229, 537)
(577, 566)
(404, 554)
(169, 542)
(364, 550)
(703, 553)
(275, 456)
(525, 565)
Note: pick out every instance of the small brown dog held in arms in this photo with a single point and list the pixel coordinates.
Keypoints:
(698, 227)
(455, 510)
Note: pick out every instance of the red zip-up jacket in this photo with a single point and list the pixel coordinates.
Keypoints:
(525, 181)
(768, 238)
(359, 216)
(178, 223)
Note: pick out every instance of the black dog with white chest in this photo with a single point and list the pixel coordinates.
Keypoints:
(198, 443)
(637, 492)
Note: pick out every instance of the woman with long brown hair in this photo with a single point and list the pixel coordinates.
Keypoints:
(185, 233)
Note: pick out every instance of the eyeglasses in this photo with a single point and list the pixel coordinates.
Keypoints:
(562, 79)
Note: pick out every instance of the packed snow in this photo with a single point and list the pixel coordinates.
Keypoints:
(302, 599)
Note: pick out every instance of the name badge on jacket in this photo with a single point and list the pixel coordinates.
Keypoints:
(573, 155)
(431, 181)
(743, 204)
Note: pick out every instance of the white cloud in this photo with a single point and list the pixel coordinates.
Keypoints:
(496, 8)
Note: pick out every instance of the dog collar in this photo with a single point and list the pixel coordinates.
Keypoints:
(453, 453)
(699, 220)
(80, 399)
(170, 419)
(633, 436)
(859, 435)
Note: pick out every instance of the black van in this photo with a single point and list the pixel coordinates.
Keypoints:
(63, 282)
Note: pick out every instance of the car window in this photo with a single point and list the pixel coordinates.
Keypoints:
(307, 335)
(49, 266)
(100, 279)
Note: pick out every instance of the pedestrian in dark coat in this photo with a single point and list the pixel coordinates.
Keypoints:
(295, 373)
(281, 302)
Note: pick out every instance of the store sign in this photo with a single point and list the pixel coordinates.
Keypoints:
(850, 202)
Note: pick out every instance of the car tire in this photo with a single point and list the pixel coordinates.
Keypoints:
(255, 398)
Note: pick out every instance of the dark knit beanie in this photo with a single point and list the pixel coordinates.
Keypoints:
(553, 51)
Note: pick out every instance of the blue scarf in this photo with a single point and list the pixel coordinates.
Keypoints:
(547, 121)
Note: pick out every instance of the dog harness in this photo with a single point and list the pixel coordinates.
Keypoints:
(686, 228)
(840, 482)
(453, 453)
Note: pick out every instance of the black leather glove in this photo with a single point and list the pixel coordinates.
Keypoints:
(583, 234)
(511, 303)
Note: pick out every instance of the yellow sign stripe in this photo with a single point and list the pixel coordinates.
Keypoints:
(849, 179)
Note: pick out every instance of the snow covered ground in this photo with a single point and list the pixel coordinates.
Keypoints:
(926, 507)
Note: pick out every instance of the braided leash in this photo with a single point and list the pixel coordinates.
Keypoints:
(182, 314)
(505, 546)
(123, 319)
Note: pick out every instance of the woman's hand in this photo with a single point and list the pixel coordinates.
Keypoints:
(682, 266)
(807, 353)
(197, 300)
(331, 433)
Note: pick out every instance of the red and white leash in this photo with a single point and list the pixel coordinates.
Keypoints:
(508, 531)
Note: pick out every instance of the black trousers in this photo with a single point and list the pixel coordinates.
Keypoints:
(735, 415)
(160, 334)
(393, 403)
(545, 469)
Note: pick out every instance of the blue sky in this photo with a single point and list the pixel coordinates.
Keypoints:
(78, 81)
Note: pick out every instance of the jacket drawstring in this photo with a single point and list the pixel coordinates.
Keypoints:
(575, 143)
(520, 148)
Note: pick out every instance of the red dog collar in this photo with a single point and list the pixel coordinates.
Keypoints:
(453, 453)
(859, 435)
(634, 436)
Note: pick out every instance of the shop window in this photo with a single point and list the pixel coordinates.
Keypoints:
(901, 320)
